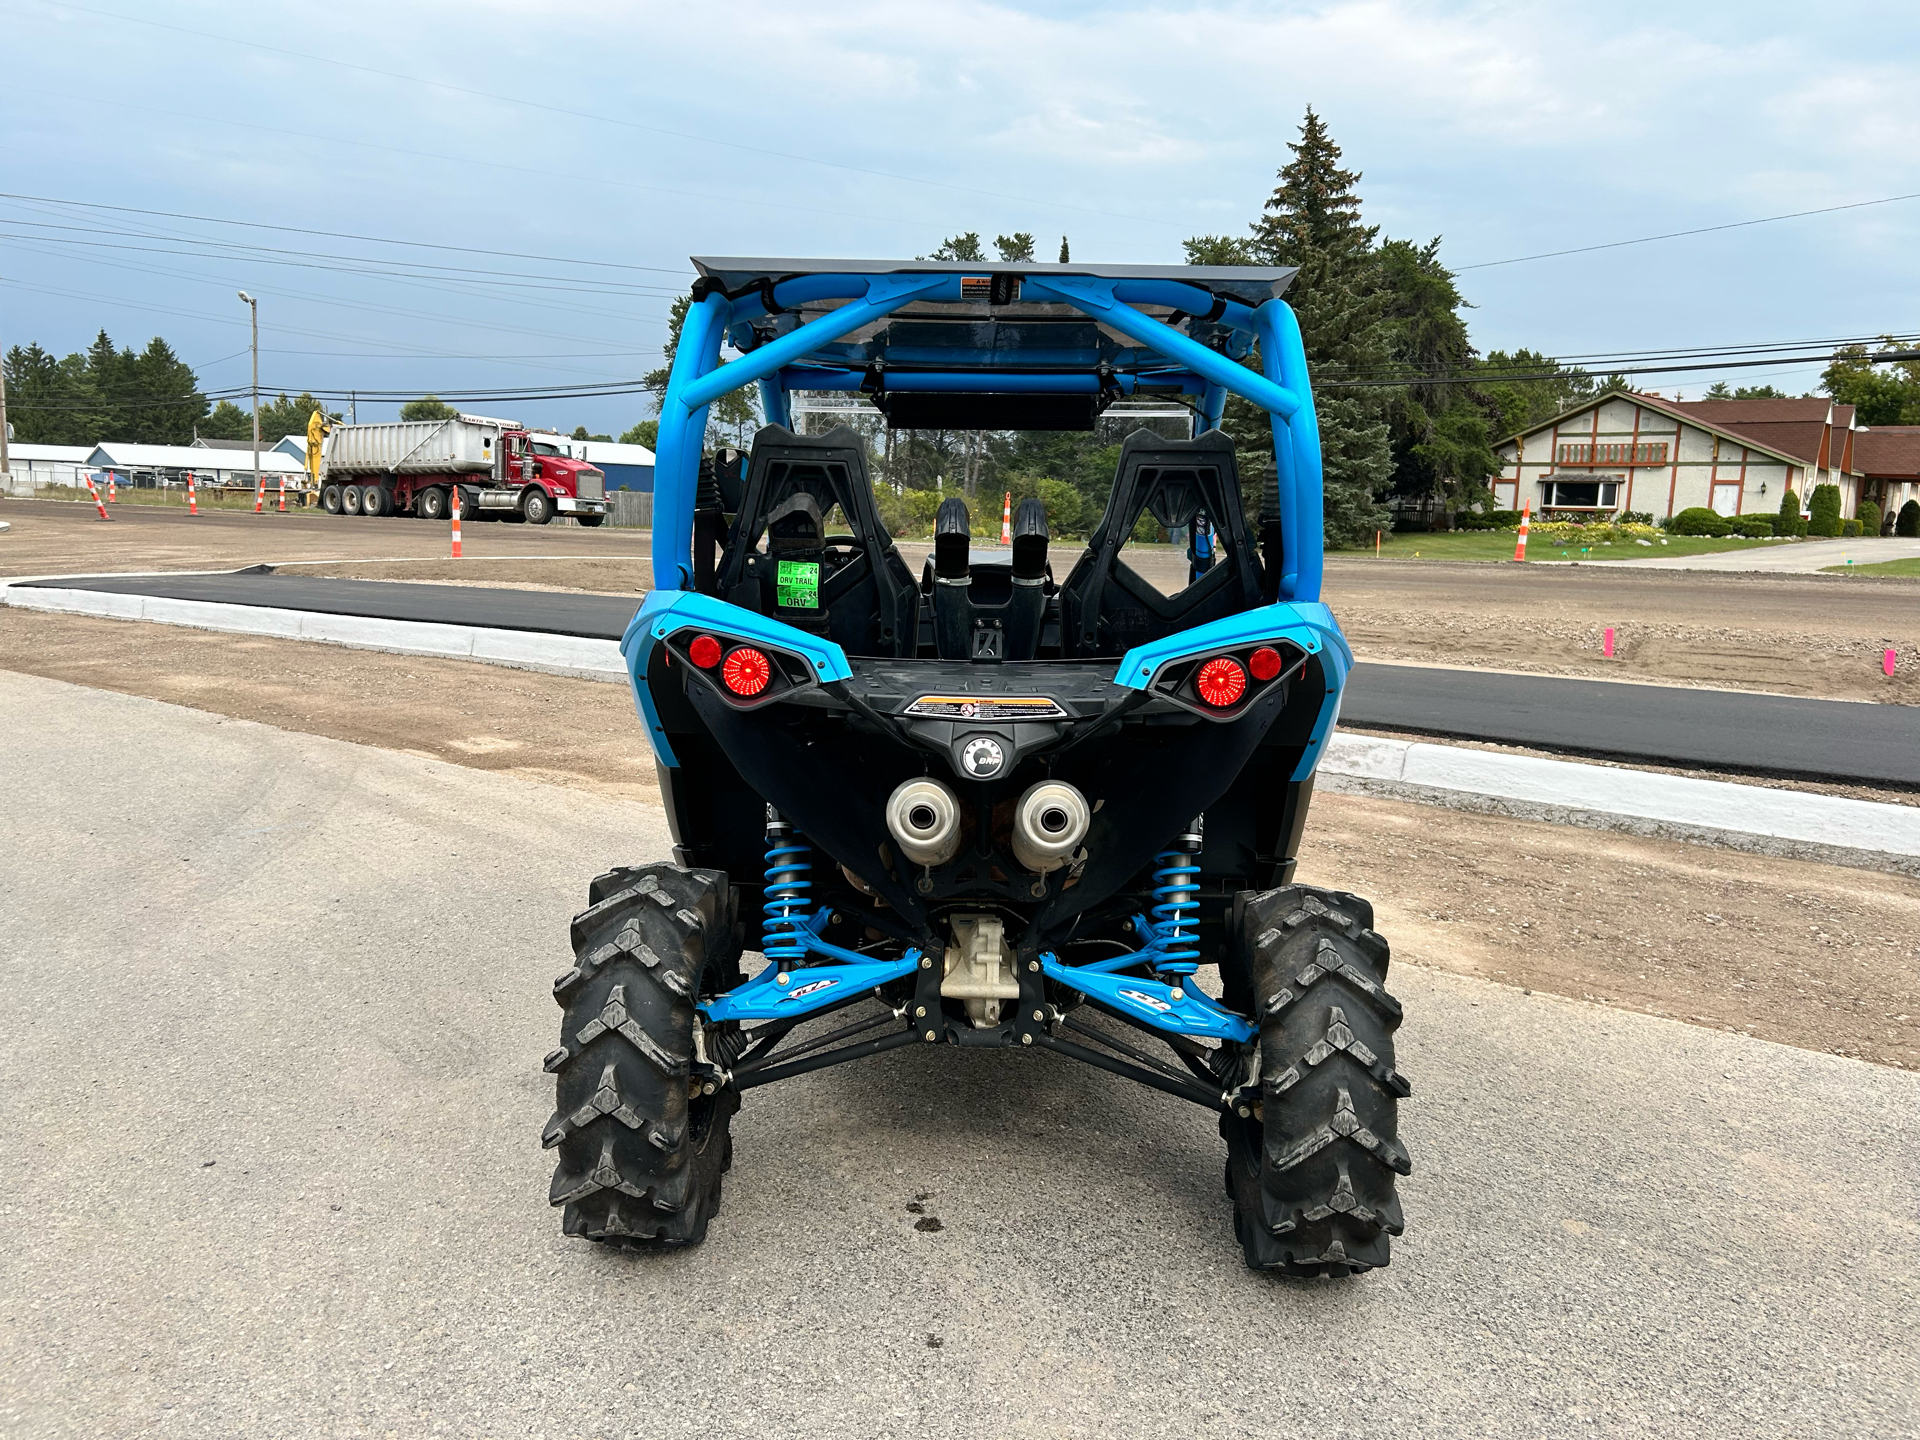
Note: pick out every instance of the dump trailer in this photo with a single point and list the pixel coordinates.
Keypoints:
(500, 469)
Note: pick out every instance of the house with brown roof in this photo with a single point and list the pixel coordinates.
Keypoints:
(1629, 451)
(1889, 461)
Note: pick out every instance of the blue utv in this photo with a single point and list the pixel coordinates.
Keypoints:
(984, 805)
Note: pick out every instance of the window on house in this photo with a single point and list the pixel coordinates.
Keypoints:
(1578, 494)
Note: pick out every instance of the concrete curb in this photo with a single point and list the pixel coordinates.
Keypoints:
(1791, 824)
(569, 655)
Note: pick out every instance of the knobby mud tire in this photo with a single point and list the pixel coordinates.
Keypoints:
(1312, 1169)
(640, 1148)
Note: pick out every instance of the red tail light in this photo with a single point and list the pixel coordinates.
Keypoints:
(704, 651)
(746, 671)
(1221, 681)
(1264, 663)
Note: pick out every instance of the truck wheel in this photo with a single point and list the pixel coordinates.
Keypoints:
(1311, 1164)
(642, 1139)
(350, 500)
(373, 500)
(537, 506)
(590, 520)
(431, 503)
(330, 499)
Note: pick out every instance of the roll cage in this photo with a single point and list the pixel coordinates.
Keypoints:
(961, 345)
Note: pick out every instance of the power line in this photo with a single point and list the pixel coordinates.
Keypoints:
(508, 99)
(1678, 234)
(355, 264)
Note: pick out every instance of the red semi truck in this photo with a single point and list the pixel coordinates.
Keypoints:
(502, 471)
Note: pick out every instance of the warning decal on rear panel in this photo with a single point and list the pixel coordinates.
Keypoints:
(976, 287)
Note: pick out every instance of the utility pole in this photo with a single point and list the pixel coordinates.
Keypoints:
(253, 306)
(6, 469)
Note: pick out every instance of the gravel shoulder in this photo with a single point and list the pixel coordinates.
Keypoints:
(276, 1172)
(1810, 955)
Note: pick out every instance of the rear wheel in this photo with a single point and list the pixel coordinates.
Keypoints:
(537, 506)
(330, 499)
(642, 1138)
(1311, 1164)
(431, 504)
(374, 500)
(350, 500)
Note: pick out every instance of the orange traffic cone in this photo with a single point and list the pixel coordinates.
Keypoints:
(193, 505)
(283, 494)
(1520, 550)
(456, 522)
(96, 495)
(1006, 520)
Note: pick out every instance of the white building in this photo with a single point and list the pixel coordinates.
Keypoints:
(1628, 451)
(31, 465)
(147, 465)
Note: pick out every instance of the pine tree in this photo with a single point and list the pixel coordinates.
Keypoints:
(1063, 251)
(1312, 222)
(1014, 248)
(168, 397)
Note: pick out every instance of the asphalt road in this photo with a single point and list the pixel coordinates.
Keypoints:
(271, 1094)
(1722, 730)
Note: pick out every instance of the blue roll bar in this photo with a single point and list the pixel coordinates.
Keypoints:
(698, 378)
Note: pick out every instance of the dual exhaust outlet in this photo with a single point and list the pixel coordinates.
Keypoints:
(1049, 822)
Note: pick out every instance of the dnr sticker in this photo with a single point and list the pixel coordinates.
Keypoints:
(815, 988)
(1152, 1002)
(796, 585)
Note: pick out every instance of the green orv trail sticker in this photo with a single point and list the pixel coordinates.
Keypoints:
(796, 585)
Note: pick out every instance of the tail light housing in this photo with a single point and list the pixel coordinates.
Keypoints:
(743, 673)
(1223, 685)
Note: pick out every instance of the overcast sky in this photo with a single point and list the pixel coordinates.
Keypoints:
(637, 134)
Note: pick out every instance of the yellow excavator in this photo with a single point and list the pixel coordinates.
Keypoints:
(317, 428)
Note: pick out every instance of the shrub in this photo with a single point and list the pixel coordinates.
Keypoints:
(1869, 518)
(1504, 519)
(1907, 522)
(1824, 518)
(1636, 517)
(1699, 520)
(1790, 505)
(1472, 520)
(1849, 529)
(909, 514)
(1755, 527)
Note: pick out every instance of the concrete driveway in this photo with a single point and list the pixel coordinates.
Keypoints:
(270, 1103)
(1804, 557)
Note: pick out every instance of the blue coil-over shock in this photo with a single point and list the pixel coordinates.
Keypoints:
(1174, 946)
(785, 895)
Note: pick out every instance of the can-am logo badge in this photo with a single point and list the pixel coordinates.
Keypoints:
(982, 757)
(1140, 997)
(815, 988)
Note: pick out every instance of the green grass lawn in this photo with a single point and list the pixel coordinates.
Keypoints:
(1909, 566)
(1498, 545)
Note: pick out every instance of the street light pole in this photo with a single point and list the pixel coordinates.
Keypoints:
(253, 305)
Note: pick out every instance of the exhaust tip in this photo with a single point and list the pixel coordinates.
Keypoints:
(923, 816)
(1048, 825)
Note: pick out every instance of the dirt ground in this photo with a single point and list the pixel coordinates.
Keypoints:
(1809, 955)
(1816, 635)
